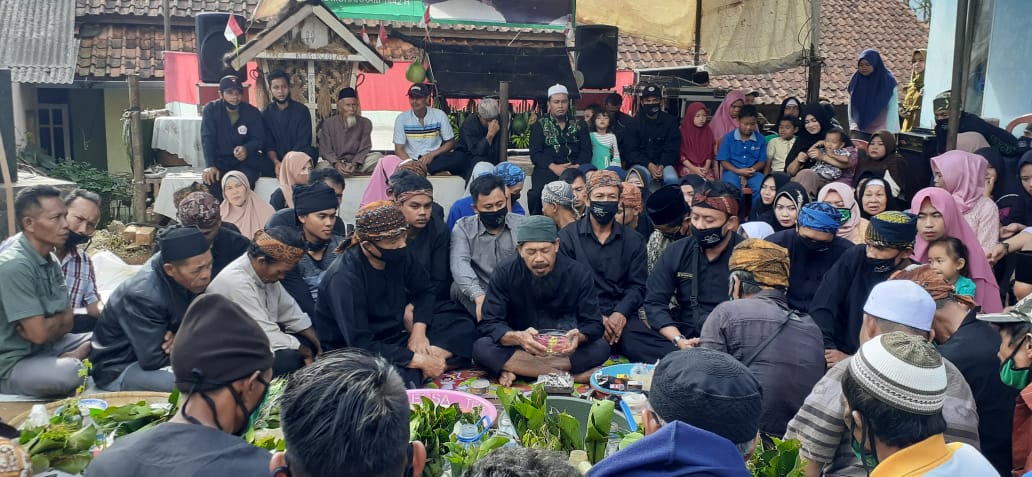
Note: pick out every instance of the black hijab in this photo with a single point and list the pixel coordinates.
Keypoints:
(1024, 215)
(763, 212)
(781, 112)
(797, 194)
(804, 140)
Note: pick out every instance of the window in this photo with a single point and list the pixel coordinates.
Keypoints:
(53, 131)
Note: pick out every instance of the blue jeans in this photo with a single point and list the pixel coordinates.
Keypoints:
(669, 176)
(754, 182)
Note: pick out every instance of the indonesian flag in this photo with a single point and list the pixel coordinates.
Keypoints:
(425, 21)
(568, 31)
(365, 35)
(381, 39)
(233, 31)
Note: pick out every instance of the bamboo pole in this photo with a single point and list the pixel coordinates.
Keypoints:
(956, 88)
(136, 142)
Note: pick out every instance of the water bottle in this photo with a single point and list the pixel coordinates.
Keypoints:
(506, 429)
(38, 417)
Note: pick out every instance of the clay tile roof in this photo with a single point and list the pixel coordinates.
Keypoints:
(848, 27)
(152, 8)
(111, 51)
(37, 41)
(637, 53)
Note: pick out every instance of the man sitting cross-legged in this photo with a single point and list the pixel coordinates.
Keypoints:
(540, 289)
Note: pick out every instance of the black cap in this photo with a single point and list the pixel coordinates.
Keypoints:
(181, 243)
(419, 90)
(218, 343)
(347, 93)
(230, 82)
(666, 205)
(651, 91)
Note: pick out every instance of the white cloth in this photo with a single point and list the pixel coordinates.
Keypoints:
(164, 203)
(901, 301)
(268, 304)
(179, 136)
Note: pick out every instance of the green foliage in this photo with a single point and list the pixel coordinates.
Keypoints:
(432, 424)
(536, 426)
(599, 422)
(111, 187)
(462, 457)
(780, 460)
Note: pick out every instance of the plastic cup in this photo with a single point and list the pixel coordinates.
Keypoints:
(555, 341)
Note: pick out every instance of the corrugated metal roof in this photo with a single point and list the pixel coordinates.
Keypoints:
(37, 40)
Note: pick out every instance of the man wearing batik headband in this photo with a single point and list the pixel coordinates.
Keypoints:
(253, 282)
(364, 295)
(201, 210)
(134, 336)
(694, 270)
(428, 238)
(614, 252)
(782, 348)
(972, 345)
(837, 306)
(814, 248)
(1002, 141)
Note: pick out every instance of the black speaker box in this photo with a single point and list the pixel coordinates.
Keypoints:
(917, 148)
(212, 46)
(596, 47)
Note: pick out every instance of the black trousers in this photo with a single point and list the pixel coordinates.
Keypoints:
(454, 162)
(286, 361)
(493, 356)
(641, 344)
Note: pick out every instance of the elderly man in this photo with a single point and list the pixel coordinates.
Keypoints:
(971, 345)
(38, 354)
(253, 282)
(222, 367)
(704, 413)
(837, 305)
(895, 392)
(132, 342)
(288, 123)
(423, 133)
(365, 294)
(693, 270)
(813, 248)
(362, 430)
(201, 210)
(653, 140)
(481, 242)
(514, 178)
(614, 252)
(478, 134)
(557, 203)
(894, 305)
(232, 136)
(541, 289)
(781, 348)
(346, 139)
(557, 143)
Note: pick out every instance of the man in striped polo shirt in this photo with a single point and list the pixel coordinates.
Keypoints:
(423, 133)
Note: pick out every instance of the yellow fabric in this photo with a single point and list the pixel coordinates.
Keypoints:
(768, 262)
(738, 36)
(917, 459)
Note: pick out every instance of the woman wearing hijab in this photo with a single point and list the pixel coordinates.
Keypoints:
(839, 195)
(697, 143)
(910, 110)
(937, 217)
(815, 123)
(241, 206)
(725, 119)
(294, 171)
(791, 106)
(1003, 185)
(881, 160)
(790, 198)
(803, 158)
(963, 175)
(971, 141)
(763, 211)
(875, 196)
(376, 190)
(873, 99)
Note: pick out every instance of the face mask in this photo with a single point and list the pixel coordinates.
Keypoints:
(516, 196)
(867, 458)
(253, 414)
(814, 245)
(881, 265)
(232, 107)
(391, 255)
(652, 110)
(604, 211)
(674, 236)
(846, 215)
(493, 220)
(1010, 374)
(75, 239)
(709, 238)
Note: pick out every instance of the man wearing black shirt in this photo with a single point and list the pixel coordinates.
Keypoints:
(232, 135)
(557, 143)
(478, 135)
(288, 123)
(653, 140)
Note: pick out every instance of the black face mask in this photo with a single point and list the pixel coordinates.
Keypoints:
(516, 196)
(232, 107)
(709, 238)
(75, 239)
(674, 236)
(604, 211)
(652, 109)
(881, 265)
(493, 220)
(814, 245)
(391, 256)
(942, 122)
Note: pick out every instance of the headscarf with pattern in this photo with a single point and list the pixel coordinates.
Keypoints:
(377, 221)
(767, 262)
(199, 209)
(277, 249)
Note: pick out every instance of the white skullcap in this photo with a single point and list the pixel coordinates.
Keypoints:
(558, 89)
(903, 302)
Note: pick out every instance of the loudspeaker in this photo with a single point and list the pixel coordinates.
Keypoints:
(212, 46)
(917, 148)
(596, 47)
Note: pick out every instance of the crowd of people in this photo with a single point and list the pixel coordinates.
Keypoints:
(797, 284)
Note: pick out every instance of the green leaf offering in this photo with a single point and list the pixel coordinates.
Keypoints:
(599, 422)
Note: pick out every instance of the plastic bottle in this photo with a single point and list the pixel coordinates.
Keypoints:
(506, 429)
(38, 417)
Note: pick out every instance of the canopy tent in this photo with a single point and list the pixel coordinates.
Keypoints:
(738, 36)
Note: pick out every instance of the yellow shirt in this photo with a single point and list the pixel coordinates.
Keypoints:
(777, 151)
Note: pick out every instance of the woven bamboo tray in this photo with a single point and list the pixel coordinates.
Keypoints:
(113, 399)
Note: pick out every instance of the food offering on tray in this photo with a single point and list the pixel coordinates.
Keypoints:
(556, 383)
(623, 378)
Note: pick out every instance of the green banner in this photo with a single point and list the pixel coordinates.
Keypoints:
(549, 14)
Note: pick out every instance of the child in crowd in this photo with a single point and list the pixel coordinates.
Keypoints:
(742, 153)
(949, 257)
(834, 146)
(779, 147)
(697, 144)
(604, 150)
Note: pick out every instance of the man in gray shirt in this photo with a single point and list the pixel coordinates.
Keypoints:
(482, 241)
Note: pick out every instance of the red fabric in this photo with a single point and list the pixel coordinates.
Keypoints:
(697, 144)
(385, 92)
(623, 78)
(182, 75)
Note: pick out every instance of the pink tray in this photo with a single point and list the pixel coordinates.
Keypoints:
(466, 401)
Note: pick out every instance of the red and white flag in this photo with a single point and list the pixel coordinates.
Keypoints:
(365, 35)
(425, 21)
(381, 38)
(233, 31)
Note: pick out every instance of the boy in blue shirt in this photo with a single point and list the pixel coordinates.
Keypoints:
(743, 153)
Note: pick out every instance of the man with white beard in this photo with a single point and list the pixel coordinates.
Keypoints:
(345, 140)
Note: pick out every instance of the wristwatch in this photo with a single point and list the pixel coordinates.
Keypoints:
(678, 339)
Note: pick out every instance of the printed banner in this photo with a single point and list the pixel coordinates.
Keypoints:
(548, 13)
